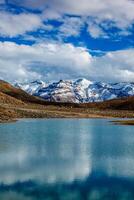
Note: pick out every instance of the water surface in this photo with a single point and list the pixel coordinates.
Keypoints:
(66, 159)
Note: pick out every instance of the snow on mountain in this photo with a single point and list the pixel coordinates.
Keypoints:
(31, 87)
(78, 91)
(61, 91)
(81, 89)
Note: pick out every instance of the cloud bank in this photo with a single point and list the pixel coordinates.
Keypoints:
(56, 61)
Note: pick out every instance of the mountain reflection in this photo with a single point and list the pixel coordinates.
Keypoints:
(63, 151)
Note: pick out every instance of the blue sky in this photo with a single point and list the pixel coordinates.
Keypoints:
(65, 39)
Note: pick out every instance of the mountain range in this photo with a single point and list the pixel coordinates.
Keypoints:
(77, 91)
(17, 103)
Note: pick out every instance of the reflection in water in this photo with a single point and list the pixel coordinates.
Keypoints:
(66, 159)
(45, 155)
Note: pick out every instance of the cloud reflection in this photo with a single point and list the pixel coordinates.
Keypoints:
(56, 151)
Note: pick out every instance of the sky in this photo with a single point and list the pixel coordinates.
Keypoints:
(67, 39)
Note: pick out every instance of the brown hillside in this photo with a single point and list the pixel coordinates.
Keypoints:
(115, 104)
(19, 94)
(6, 99)
(22, 96)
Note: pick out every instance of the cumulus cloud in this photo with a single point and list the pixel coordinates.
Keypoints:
(48, 60)
(54, 61)
(16, 24)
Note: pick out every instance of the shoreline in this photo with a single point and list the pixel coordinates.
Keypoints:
(11, 113)
(115, 122)
(55, 117)
(124, 122)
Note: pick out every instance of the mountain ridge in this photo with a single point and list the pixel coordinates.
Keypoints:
(78, 91)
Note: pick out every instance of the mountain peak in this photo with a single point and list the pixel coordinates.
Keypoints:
(83, 82)
(38, 81)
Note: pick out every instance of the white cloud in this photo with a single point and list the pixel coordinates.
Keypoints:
(114, 66)
(71, 26)
(50, 60)
(51, 14)
(96, 31)
(117, 13)
(63, 61)
(121, 11)
(16, 24)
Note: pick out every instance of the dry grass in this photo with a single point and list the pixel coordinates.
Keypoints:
(126, 103)
(6, 99)
(7, 114)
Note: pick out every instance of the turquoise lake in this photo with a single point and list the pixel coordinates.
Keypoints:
(66, 159)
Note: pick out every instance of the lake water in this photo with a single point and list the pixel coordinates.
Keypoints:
(66, 159)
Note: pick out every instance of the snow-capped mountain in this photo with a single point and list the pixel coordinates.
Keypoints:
(78, 91)
(31, 87)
